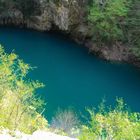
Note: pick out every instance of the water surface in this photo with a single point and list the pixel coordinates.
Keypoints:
(71, 75)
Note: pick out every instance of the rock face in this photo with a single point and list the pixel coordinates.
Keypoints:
(64, 14)
(37, 135)
(117, 52)
(68, 16)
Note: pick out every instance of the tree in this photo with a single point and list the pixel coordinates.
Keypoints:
(19, 107)
(133, 27)
(66, 121)
(107, 19)
(112, 124)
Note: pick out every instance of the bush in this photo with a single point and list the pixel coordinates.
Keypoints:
(66, 121)
(115, 124)
(107, 18)
(19, 107)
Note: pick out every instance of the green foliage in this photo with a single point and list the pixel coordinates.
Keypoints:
(133, 27)
(114, 124)
(107, 18)
(18, 104)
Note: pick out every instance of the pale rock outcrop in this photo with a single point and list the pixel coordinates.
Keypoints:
(37, 135)
(42, 135)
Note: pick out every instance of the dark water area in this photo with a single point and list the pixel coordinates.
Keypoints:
(73, 78)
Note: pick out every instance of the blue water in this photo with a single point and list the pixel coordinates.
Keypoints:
(71, 75)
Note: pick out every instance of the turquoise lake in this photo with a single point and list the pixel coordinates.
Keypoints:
(73, 77)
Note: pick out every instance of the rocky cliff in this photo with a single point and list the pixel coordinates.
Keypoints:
(64, 14)
(68, 16)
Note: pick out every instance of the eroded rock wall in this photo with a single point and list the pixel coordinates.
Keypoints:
(64, 14)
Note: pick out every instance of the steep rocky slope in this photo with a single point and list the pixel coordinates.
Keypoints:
(66, 15)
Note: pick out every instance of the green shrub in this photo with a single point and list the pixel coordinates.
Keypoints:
(115, 124)
(107, 18)
(19, 107)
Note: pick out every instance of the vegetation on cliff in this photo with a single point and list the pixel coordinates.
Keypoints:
(115, 124)
(20, 109)
(133, 25)
(116, 21)
(107, 19)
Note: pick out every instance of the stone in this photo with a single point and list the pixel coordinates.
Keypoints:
(37, 135)
(42, 135)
